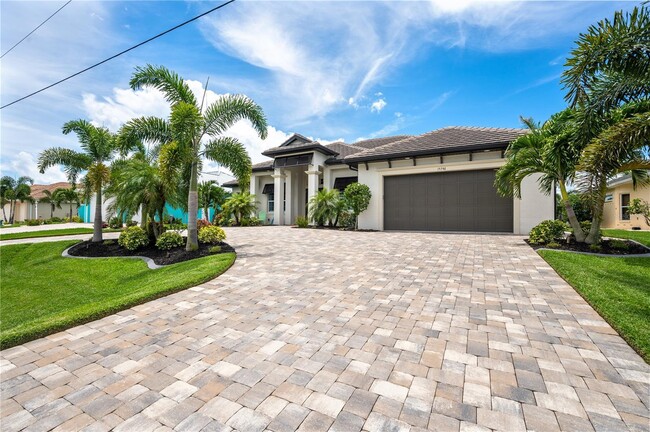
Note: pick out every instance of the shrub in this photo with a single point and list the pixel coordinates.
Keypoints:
(131, 223)
(357, 197)
(215, 249)
(250, 221)
(547, 231)
(595, 248)
(202, 223)
(326, 206)
(302, 222)
(212, 234)
(115, 222)
(240, 205)
(33, 222)
(553, 245)
(346, 220)
(169, 240)
(619, 244)
(108, 242)
(76, 219)
(223, 220)
(56, 219)
(133, 238)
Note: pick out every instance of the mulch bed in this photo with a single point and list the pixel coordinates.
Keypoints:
(110, 248)
(325, 227)
(606, 247)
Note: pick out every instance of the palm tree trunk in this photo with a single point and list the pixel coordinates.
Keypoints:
(4, 213)
(571, 215)
(597, 212)
(70, 216)
(12, 210)
(192, 209)
(97, 223)
(51, 211)
(206, 213)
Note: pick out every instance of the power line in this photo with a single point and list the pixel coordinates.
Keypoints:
(39, 26)
(120, 53)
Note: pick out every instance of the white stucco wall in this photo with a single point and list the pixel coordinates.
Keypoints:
(533, 207)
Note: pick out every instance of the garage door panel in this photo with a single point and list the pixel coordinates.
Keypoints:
(451, 201)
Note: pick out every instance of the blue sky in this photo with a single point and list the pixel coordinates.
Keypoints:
(328, 70)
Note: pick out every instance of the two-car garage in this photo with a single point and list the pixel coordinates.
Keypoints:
(446, 201)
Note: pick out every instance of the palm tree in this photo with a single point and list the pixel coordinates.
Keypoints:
(211, 195)
(99, 147)
(240, 205)
(608, 78)
(188, 124)
(13, 190)
(52, 200)
(70, 195)
(326, 206)
(139, 183)
(549, 150)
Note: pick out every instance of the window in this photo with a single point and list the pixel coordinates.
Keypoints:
(271, 201)
(625, 205)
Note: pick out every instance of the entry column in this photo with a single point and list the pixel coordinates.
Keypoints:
(278, 192)
(312, 182)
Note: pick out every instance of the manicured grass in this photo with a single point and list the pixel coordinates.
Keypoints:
(50, 233)
(617, 288)
(42, 292)
(642, 237)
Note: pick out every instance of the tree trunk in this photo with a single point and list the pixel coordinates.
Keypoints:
(12, 210)
(4, 213)
(571, 215)
(97, 223)
(192, 209)
(206, 214)
(597, 212)
(51, 211)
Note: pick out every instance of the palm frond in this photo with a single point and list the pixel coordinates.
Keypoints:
(229, 109)
(230, 153)
(168, 82)
(73, 162)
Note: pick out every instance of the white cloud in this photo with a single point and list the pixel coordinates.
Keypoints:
(25, 164)
(378, 105)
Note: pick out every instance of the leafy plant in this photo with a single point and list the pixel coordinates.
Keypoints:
(302, 222)
(215, 249)
(77, 219)
(49, 198)
(115, 222)
(240, 205)
(202, 223)
(33, 222)
(108, 242)
(325, 207)
(131, 223)
(547, 231)
(211, 196)
(553, 245)
(619, 244)
(14, 190)
(212, 234)
(133, 238)
(640, 207)
(71, 196)
(357, 198)
(169, 240)
(250, 221)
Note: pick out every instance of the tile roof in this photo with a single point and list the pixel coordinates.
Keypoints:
(38, 189)
(343, 150)
(295, 143)
(377, 142)
(266, 165)
(445, 140)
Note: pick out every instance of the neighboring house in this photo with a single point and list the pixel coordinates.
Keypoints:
(620, 193)
(40, 210)
(439, 181)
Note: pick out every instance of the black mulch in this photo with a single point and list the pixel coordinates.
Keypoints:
(337, 228)
(110, 248)
(606, 247)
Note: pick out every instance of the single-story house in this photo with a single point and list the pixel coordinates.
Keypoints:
(442, 180)
(620, 193)
(38, 209)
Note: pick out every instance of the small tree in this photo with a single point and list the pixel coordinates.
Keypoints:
(70, 196)
(326, 206)
(640, 207)
(240, 205)
(52, 200)
(357, 196)
(14, 190)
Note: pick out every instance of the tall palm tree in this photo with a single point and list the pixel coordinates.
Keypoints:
(211, 195)
(549, 150)
(99, 147)
(186, 127)
(607, 77)
(13, 190)
(68, 195)
(52, 200)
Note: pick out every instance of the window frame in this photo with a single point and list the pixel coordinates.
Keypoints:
(624, 208)
(270, 204)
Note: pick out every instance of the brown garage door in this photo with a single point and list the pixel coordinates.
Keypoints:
(450, 201)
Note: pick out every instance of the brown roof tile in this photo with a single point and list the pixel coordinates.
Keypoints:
(38, 189)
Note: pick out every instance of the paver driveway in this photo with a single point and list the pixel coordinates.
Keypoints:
(314, 330)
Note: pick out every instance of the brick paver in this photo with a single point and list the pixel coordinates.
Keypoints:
(317, 330)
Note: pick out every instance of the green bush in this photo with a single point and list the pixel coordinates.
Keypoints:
(108, 242)
(202, 223)
(619, 244)
(346, 220)
(33, 222)
(131, 223)
(215, 249)
(56, 220)
(76, 219)
(115, 222)
(357, 197)
(302, 222)
(595, 248)
(212, 234)
(169, 240)
(553, 245)
(547, 231)
(250, 221)
(133, 238)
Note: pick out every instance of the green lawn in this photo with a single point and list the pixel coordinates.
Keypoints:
(42, 292)
(642, 237)
(51, 233)
(617, 288)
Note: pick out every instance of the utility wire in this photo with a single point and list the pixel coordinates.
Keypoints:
(39, 26)
(120, 53)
